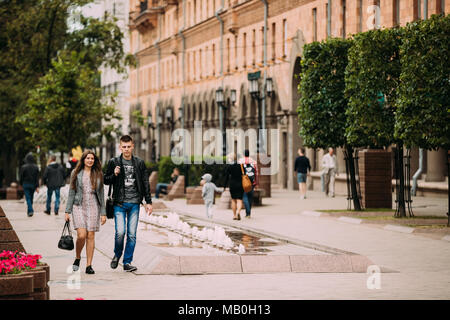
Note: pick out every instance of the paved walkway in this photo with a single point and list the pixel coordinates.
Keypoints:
(421, 262)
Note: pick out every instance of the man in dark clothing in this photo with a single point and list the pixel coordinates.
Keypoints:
(29, 179)
(53, 178)
(302, 167)
(129, 177)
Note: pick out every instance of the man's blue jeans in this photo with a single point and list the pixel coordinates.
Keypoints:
(126, 214)
(159, 188)
(248, 198)
(28, 190)
(49, 198)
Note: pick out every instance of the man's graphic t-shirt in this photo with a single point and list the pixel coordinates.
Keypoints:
(131, 191)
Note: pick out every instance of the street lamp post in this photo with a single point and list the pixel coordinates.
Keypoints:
(169, 117)
(259, 94)
(151, 127)
(220, 99)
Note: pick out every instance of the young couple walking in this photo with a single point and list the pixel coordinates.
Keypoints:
(86, 204)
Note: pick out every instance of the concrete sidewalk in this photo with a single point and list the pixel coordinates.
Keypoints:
(422, 263)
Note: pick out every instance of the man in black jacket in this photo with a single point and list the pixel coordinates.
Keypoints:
(129, 177)
(29, 179)
(53, 178)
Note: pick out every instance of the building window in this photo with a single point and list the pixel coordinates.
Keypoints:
(344, 17)
(396, 12)
(254, 47)
(262, 44)
(417, 10)
(195, 66)
(236, 52)
(273, 41)
(328, 9)
(284, 38)
(360, 15)
(244, 47)
(214, 59)
(442, 6)
(314, 18)
(228, 55)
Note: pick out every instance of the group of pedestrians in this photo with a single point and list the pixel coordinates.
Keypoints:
(234, 171)
(86, 207)
(302, 167)
(128, 177)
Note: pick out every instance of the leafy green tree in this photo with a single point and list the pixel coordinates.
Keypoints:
(66, 107)
(322, 105)
(423, 112)
(372, 78)
(32, 34)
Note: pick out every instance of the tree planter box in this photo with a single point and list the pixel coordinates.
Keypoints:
(375, 178)
(28, 285)
(16, 284)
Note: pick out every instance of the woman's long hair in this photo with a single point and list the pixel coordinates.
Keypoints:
(96, 171)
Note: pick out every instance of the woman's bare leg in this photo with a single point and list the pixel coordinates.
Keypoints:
(81, 240)
(239, 206)
(233, 207)
(90, 245)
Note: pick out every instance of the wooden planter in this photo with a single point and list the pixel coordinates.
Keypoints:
(28, 285)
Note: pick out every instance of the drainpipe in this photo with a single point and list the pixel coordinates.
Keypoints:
(263, 100)
(158, 149)
(418, 173)
(185, 146)
(221, 113)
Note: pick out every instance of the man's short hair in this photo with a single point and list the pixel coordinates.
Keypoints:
(176, 169)
(126, 138)
(246, 153)
(302, 150)
(53, 157)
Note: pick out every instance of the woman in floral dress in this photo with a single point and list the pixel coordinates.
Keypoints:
(86, 203)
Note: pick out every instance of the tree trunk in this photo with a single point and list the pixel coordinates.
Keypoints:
(448, 189)
(401, 209)
(351, 169)
(62, 158)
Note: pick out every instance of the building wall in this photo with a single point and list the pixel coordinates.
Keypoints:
(160, 81)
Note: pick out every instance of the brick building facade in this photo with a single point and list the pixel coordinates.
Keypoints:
(189, 48)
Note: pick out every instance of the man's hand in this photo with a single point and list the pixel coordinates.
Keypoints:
(37, 190)
(116, 170)
(103, 220)
(67, 217)
(148, 208)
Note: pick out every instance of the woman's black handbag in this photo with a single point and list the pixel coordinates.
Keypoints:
(109, 205)
(66, 241)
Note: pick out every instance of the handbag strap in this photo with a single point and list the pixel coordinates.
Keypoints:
(242, 169)
(66, 226)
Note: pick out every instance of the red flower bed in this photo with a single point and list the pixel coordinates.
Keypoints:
(16, 262)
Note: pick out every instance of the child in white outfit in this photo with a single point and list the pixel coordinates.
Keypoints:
(208, 193)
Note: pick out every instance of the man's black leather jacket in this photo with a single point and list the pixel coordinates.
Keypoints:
(118, 182)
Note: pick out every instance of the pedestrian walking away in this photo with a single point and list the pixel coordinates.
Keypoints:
(86, 205)
(301, 168)
(233, 175)
(29, 180)
(53, 178)
(330, 170)
(208, 193)
(251, 170)
(129, 177)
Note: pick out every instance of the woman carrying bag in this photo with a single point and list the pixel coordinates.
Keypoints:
(86, 203)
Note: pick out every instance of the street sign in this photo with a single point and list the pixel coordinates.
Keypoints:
(254, 75)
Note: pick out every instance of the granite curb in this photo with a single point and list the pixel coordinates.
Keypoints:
(388, 227)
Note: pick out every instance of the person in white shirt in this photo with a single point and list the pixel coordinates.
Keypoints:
(330, 170)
